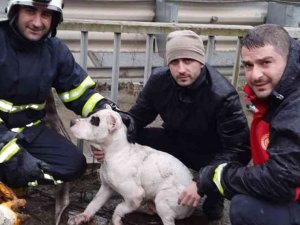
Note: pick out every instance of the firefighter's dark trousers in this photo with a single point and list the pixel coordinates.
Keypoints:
(66, 161)
(246, 210)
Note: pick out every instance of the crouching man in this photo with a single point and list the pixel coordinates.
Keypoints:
(267, 192)
(32, 61)
(203, 121)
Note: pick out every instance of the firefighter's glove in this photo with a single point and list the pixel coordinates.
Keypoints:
(23, 168)
(126, 118)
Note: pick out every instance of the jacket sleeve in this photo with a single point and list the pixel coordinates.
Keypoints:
(8, 143)
(73, 85)
(143, 111)
(234, 131)
(275, 180)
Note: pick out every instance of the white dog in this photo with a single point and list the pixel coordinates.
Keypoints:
(142, 175)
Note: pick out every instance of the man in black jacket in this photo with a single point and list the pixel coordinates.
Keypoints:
(203, 121)
(267, 192)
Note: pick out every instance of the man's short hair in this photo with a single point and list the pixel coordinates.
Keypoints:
(268, 34)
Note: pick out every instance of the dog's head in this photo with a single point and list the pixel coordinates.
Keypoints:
(98, 127)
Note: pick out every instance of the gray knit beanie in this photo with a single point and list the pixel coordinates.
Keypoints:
(184, 44)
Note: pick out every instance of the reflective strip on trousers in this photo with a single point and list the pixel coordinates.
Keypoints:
(217, 177)
(46, 176)
(8, 107)
(9, 150)
(20, 129)
(90, 104)
(77, 92)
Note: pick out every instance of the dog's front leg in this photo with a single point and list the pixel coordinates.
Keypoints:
(132, 201)
(104, 193)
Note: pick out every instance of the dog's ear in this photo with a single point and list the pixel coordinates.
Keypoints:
(111, 122)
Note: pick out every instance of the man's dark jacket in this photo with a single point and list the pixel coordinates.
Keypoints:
(206, 117)
(28, 72)
(278, 178)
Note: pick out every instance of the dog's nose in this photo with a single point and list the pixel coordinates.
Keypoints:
(72, 123)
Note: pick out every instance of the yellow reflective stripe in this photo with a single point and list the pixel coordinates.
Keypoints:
(90, 104)
(49, 177)
(77, 92)
(1, 121)
(5, 106)
(18, 108)
(46, 177)
(17, 129)
(20, 129)
(8, 107)
(32, 184)
(217, 177)
(9, 150)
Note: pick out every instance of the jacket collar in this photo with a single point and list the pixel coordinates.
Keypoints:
(290, 79)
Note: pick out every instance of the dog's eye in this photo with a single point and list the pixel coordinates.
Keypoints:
(95, 121)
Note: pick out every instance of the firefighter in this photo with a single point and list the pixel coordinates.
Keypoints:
(32, 61)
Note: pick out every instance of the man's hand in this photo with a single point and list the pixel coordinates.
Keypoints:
(189, 196)
(98, 153)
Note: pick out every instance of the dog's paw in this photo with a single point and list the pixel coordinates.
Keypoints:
(78, 219)
(117, 220)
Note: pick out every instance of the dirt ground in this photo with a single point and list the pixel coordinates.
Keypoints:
(41, 200)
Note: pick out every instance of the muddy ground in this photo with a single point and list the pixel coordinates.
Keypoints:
(41, 200)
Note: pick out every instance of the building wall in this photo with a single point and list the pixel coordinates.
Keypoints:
(133, 45)
(237, 12)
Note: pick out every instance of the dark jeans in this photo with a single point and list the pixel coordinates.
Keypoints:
(187, 153)
(246, 210)
(65, 160)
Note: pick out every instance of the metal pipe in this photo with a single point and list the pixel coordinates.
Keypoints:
(210, 49)
(116, 67)
(236, 68)
(83, 62)
(149, 53)
(84, 49)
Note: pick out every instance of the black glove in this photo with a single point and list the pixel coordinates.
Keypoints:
(23, 168)
(130, 124)
(126, 118)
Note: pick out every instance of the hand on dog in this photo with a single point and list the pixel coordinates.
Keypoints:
(189, 196)
(98, 153)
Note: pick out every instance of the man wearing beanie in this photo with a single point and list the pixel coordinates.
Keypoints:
(203, 121)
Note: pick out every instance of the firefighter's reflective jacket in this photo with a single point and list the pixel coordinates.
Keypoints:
(28, 71)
